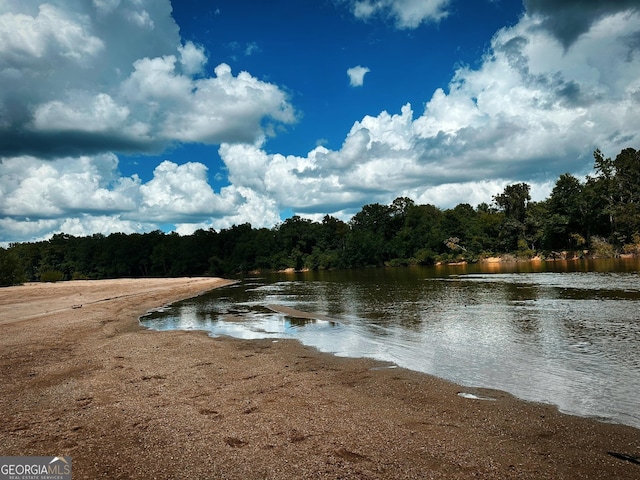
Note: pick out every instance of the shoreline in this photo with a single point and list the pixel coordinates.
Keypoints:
(126, 402)
(395, 361)
(503, 259)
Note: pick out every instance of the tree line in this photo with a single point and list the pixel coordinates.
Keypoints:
(600, 215)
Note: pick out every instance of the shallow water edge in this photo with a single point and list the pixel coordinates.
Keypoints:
(566, 338)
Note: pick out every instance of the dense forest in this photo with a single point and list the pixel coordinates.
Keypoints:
(598, 216)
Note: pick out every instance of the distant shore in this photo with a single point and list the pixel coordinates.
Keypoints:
(81, 378)
(553, 256)
(504, 259)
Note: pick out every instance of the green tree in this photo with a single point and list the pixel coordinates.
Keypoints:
(421, 235)
(566, 214)
(626, 208)
(296, 238)
(11, 272)
(513, 202)
(534, 232)
(612, 196)
(599, 197)
(332, 233)
(371, 230)
(374, 218)
(29, 256)
(459, 223)
(489, 220)
(329, 251)
(400, 208)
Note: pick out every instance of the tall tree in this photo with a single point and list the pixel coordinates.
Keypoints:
(613, 195)
(599, 195)
(566, 213)
(10, 270)
(513, 202)
(626, 208)
(297, 236)
(421, 235)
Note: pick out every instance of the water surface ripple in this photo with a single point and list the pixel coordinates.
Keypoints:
(567, 336)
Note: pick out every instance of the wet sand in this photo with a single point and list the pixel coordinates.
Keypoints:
(80, 377)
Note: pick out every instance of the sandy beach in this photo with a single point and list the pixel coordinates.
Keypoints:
(80, 377)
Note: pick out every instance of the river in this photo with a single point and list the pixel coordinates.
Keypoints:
(563, 333)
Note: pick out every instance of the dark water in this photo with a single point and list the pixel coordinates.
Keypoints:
(564, 333)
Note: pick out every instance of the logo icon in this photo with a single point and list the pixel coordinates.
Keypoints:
(35, 468)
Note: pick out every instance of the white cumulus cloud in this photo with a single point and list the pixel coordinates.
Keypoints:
(192, 58)
(181, 192)
(33, 188)
(356, 75)
(116, 76)
(407, 14)
(86, 195)
(26, 39)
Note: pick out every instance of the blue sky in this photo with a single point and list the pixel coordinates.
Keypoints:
(133, 115)
(307, 48)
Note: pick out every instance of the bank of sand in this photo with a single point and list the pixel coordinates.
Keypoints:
(79, 377)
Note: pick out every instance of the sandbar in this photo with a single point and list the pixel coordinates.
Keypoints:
(80, 377)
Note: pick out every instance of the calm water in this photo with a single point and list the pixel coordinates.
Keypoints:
(564, 333)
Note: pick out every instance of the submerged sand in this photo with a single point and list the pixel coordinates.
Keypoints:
(80, 377)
